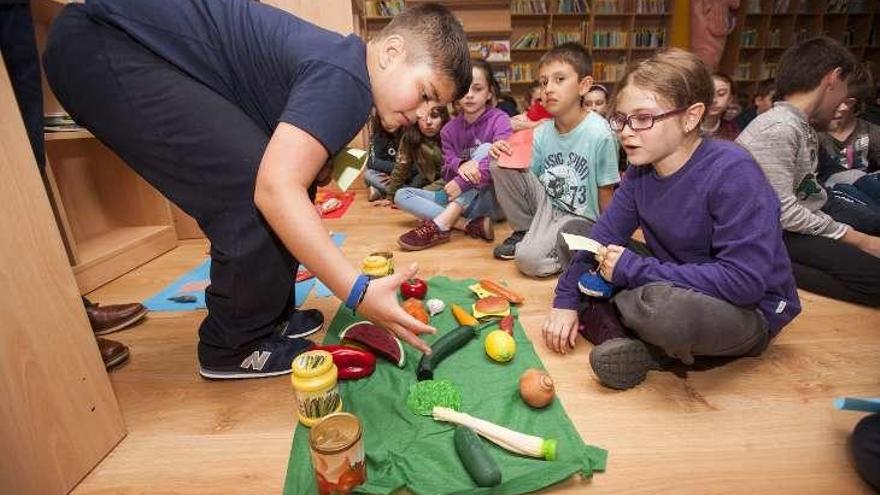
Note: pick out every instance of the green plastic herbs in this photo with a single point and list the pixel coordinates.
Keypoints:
(426, 394)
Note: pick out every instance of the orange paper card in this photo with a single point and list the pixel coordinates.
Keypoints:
(521, 148)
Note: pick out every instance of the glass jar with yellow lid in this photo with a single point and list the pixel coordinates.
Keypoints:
(314, 380)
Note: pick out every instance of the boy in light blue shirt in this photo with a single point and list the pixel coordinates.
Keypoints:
(573, 169)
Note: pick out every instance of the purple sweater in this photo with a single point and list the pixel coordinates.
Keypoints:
(460, 139)
(713, 226)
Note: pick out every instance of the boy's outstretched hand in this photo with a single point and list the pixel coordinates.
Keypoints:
(381, 307)
(560, 329)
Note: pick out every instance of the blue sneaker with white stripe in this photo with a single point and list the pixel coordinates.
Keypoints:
(594, 285)
(271, 357)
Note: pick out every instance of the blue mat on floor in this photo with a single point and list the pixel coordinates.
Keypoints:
(201, 275)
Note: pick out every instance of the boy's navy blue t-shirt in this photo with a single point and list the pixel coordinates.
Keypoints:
(274, 65)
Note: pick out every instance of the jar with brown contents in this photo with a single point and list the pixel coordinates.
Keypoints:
(337, 447)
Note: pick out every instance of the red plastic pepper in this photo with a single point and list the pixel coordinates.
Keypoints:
(351, 363)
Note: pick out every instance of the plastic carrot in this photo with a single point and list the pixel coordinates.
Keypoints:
(416, 309)
(463, 317)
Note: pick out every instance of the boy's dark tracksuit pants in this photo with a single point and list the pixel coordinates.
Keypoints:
(196, 147)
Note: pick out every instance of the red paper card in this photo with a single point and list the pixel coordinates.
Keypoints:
(521, 148)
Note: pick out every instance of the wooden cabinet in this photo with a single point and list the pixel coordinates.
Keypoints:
(59, 416)
(111, 220)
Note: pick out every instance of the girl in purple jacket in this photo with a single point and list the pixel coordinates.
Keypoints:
(718, 281)
(467, 202)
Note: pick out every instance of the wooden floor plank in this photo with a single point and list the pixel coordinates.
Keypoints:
(756, 425)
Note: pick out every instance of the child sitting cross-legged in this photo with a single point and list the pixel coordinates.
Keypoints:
(718, 281)
(573, 168)
(467, 201)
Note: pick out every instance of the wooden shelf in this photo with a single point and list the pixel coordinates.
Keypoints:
(108, 255)
(529, 17)
(528, 50)
(63, 135)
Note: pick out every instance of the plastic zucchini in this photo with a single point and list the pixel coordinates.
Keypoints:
(443, 348)
(475, 458)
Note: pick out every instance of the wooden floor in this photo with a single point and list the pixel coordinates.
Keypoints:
(757, 425)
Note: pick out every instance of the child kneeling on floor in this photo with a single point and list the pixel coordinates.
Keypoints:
(467, 201)
(719, 282)
(573, 168)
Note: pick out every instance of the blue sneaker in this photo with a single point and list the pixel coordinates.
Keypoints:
(271, 357)
(302, 323)
(593, 285)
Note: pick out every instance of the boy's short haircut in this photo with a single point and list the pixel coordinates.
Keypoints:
(435, 36)
(803, 66)
(765, 87)
(573, 54)
(677, 76)
(860, 85)
(729, 80)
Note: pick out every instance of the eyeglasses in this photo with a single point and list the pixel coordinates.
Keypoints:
(639, 121)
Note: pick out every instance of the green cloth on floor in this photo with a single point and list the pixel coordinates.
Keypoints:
(416, 452)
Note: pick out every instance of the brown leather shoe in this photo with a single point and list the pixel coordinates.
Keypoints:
(112, 352)
(114, 317)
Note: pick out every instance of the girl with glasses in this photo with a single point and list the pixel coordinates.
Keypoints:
(718, 281)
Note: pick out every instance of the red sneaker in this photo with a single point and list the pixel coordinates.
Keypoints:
(480, 228)
(426, 235)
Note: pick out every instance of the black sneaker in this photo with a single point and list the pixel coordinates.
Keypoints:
(624, 363)
(271, 357)
(302, 323)
(507, 249)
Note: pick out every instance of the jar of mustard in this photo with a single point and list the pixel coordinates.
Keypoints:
(314, 380)
(378, 265)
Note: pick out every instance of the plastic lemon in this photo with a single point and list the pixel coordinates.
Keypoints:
(500, 346)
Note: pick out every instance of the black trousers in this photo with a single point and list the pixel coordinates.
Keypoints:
(200, 150)
(19, 48)
(834, 269)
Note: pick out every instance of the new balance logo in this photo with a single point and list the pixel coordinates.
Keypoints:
(256, 360)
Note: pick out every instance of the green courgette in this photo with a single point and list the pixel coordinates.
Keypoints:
(443, 348)
(475, 458)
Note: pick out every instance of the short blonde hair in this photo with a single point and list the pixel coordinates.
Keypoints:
(676, 76)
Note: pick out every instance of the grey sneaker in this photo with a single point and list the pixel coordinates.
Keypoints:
(624, 363)
(507, 249)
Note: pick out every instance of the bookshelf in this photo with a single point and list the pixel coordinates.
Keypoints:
(766, 28)
(615, 31)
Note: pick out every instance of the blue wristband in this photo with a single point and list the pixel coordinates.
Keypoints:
(358, 290)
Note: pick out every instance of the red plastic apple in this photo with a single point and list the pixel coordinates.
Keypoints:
(414, 287)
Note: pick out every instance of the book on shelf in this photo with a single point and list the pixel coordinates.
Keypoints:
(768, 70)
(503, 77)
(749, 38)
(649, 38)
(573, 7)
(609, 39)
(780, 6)
(528, 7)
(774, 37)
(753, 7)
(383, 8)
(609, 71)
(651, 7)
(561, 37)
(522, 72)
(532, 39)
(743, 71)
(491, 51)
(609, 6)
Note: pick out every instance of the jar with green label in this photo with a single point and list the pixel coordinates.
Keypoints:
(314, 380)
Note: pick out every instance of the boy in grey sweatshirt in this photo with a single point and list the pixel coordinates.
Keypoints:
(829, 256)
